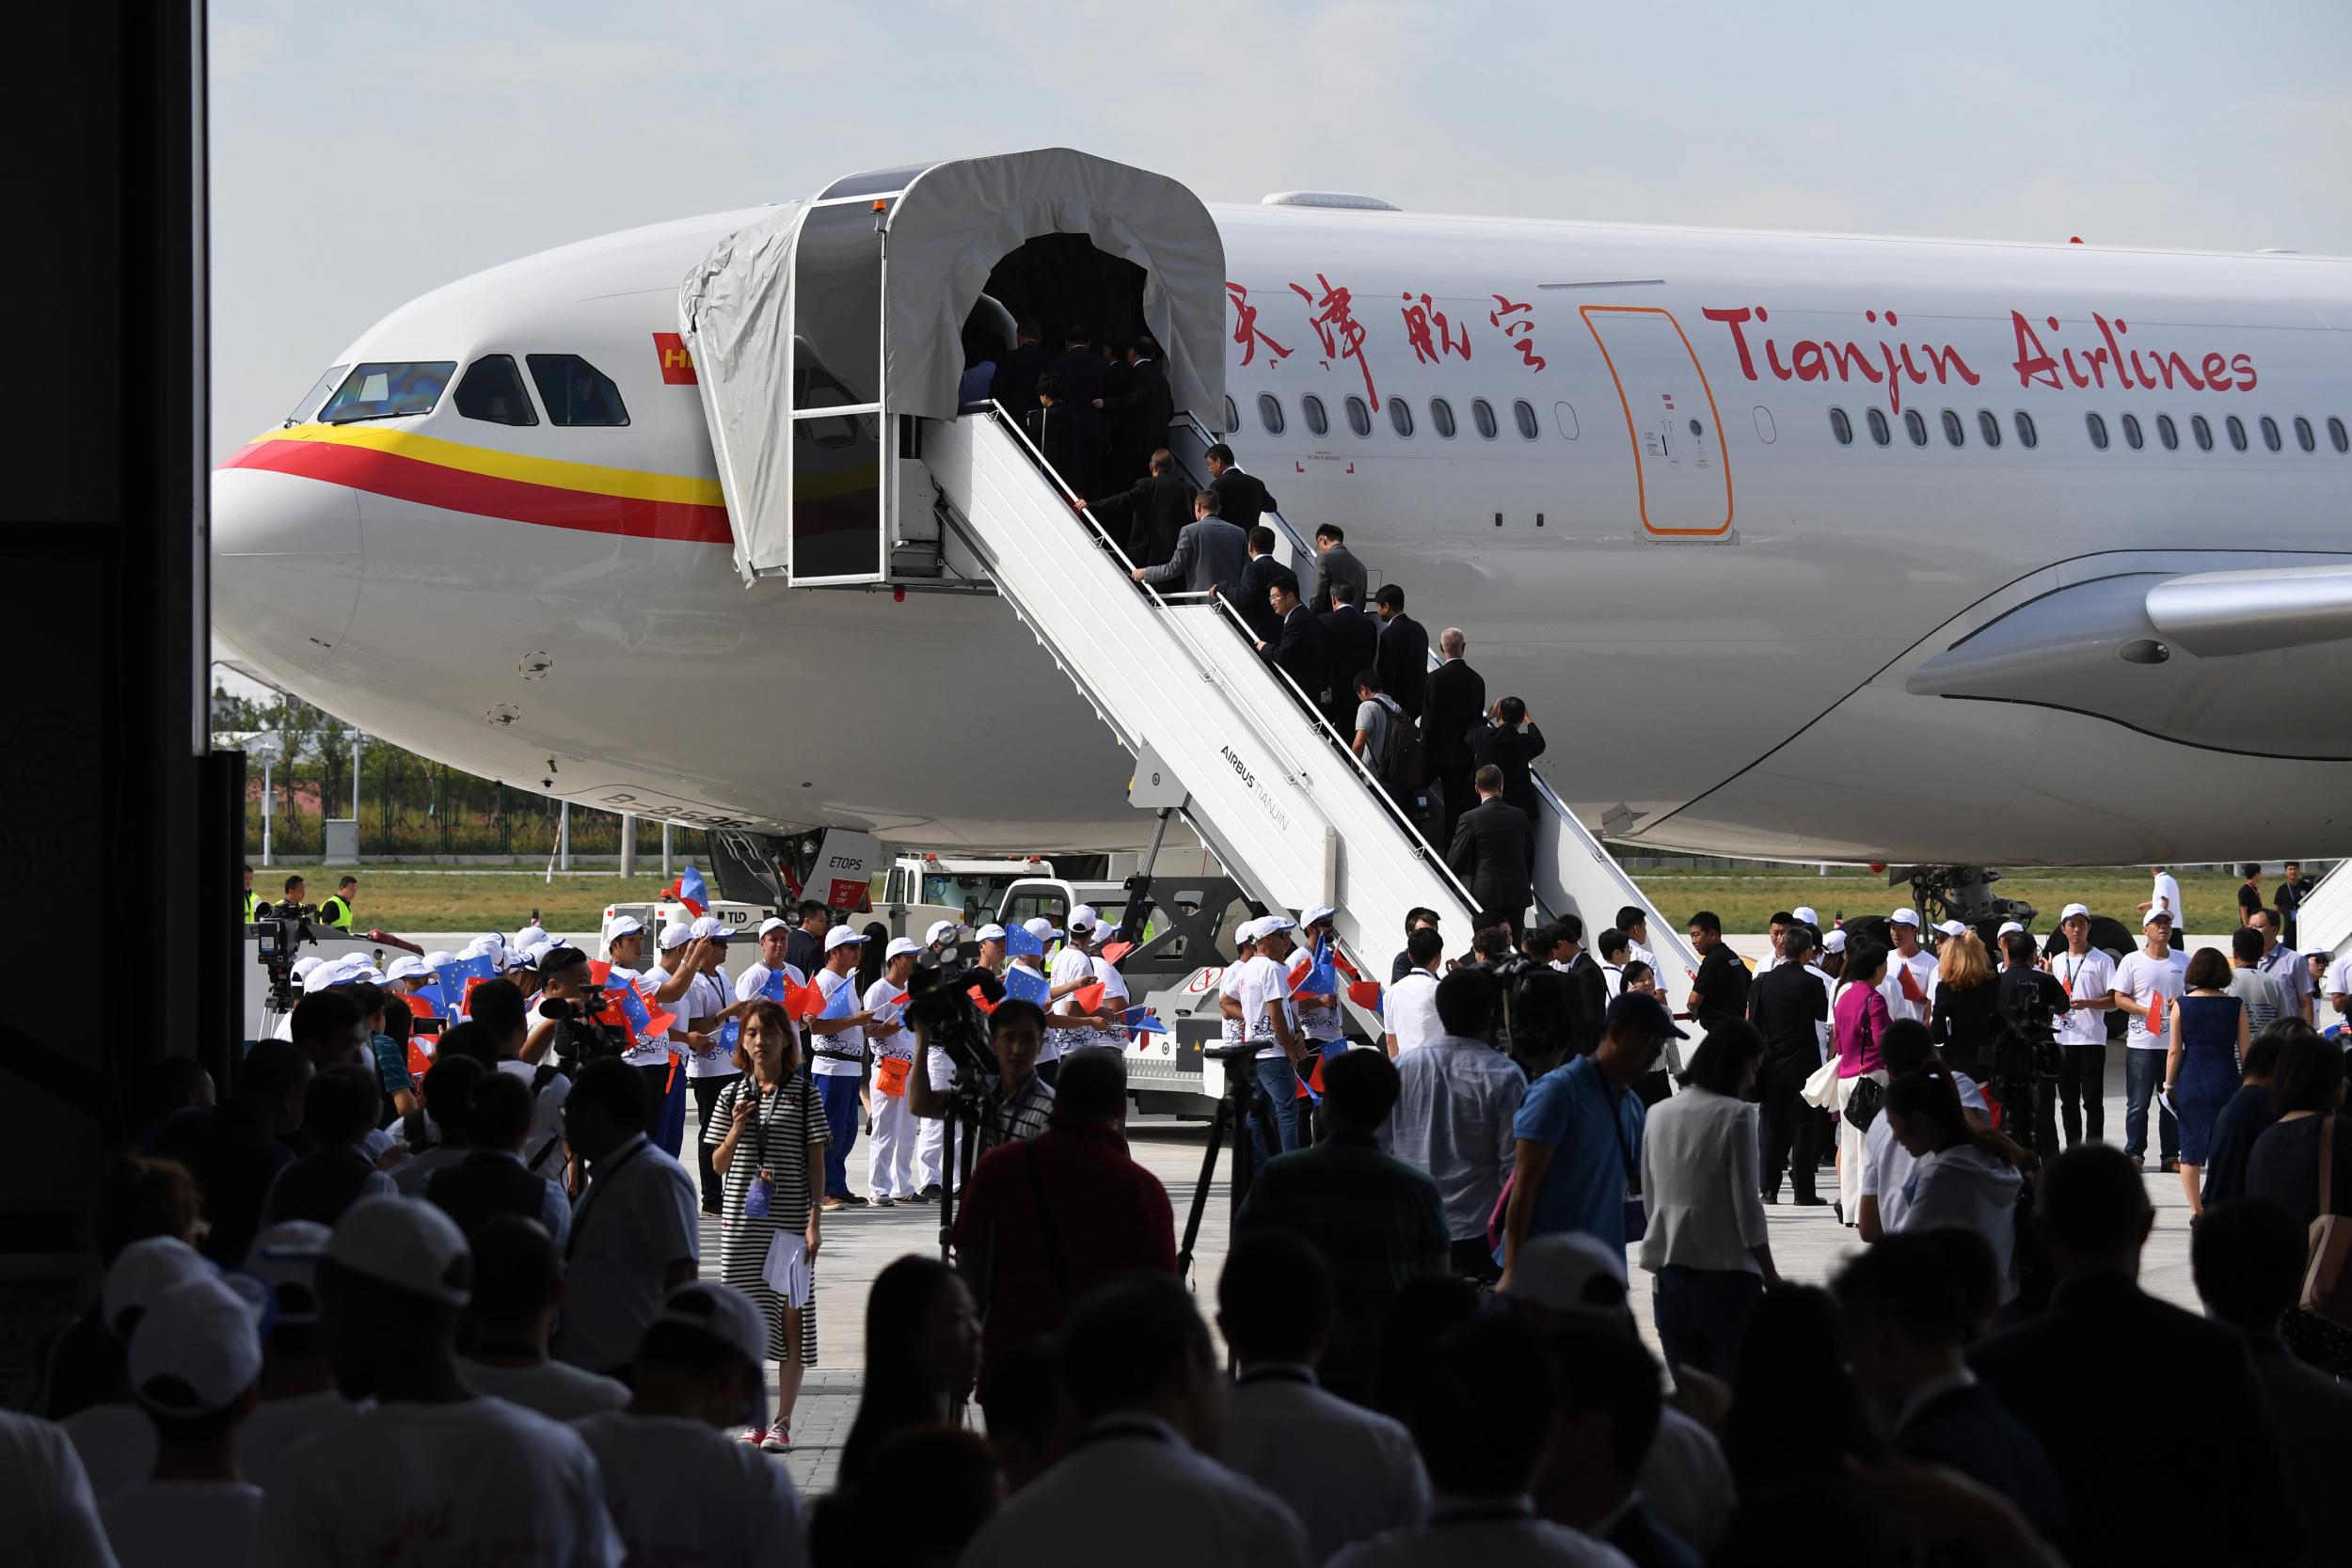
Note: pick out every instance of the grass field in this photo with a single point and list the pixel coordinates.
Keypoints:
(400, 900)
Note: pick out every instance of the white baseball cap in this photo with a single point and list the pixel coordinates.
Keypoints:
(710, 927)
(303, 966)
(537, 950)
(1321, 911)
(1556, 1272)
(841, 936)
(1832, 942)
(1806, 913)
(1904, 917)
(368, 972)
(140, 1274)
(675, 937)
(623, 925)
(900, 946)
(532, 933)
(436, 958)
(1040, 927)
(2009, 925)
(408, 967)
(721, 1312)
(2072, 910)
(1085, 918)
(1953, 928)
(773, 924)
(2156, 917)
(408, 1243)
(327, 976)
(940, 929)
(197, 1349)
(285, 1257)
(990, 933)
(1273, 925)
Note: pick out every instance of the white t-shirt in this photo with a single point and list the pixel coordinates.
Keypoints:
(648, 1052)
(478, 1480)
(1115, 999)
(637, 1217)
(685, 1493)
(184, 1524)
(1411, 1010)
(2166, 894)
(45, 1496)
(1886, 1163)
(550, 1389)
(117, 1445)
(1321, 1025)
(1612, 979)
(1922, 967)
(900, 1041)
(1070, 964)
(748, 984)
(544, 1152)
(2139, 977)
(848, 1041)
(2340, 979)
(277, 1425)
(410, 1175)
(708, 998)
(1229, 984)
(2091, 975)
(1263, 981)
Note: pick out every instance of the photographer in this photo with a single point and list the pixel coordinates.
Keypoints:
(1015, 1101)
(566, 1025)
(2030, 1003)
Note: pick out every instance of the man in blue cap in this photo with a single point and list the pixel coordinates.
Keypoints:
(1579, 1161)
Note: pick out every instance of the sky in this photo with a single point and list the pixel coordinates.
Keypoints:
(362, 155)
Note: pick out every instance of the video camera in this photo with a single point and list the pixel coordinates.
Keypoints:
(952, 1022)
(278, 935)
(2020, 1064)
(579, 1038)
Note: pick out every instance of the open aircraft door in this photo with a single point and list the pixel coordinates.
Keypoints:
(1681, 467)
(824, 333)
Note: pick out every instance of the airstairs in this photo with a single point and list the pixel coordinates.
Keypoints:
(1219, 734)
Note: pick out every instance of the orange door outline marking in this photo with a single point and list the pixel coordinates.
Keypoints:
(1633, 433)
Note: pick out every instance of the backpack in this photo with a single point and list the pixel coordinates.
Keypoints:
(1399, 761)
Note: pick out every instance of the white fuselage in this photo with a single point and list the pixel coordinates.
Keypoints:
(1706, 597)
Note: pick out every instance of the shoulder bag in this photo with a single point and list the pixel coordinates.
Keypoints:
(2328, 1271)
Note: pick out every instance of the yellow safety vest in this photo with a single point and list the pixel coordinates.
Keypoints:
(335, 912)
(252, 901)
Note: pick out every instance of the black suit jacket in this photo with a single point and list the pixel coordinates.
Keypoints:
(1512, 750)
(1242, 499)
(1015, 385)
(1454, 699)
(1489, 854)
(1352, 644)
(1250, 597)
(1970, 1429)
(1085, 377)
(1060, 435)
(1298, 647)
(1784, 1004)
(2098, 1377)
(1156, 510)
(1404, 661)
(1588, 1001)
(1141, 408)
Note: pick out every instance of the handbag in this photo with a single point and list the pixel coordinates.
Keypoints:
(1820, 1090)
(1863, 1101)
(2327, 1270)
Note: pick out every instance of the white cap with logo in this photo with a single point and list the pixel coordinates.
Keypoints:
(1321, 911)
(1807, 914)
(197, 1349)
(712, 928)
(285, 1257)
(941, 930)
(675, 937)
(842, 936)
(2072, 910)
(2009, 925)
(990, 933)
(1085, 918)
(408, 1243)
(901, 948)
(1832, 942)
(772, 924)
(408, 967)
(623, 925)
(1904, 917)
(1040, 927)
(142, 1271)
(1952, 929)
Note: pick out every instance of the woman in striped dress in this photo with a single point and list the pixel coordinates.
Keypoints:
(766, 1128)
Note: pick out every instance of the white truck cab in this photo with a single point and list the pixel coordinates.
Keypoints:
(921, 890)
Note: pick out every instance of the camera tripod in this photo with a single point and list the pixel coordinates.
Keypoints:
(1243, 1100)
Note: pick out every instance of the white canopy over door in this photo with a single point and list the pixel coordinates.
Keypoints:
(814, 327)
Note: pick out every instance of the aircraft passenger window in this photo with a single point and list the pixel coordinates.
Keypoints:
(2303, 436)
(1879, 432)
(1955, 432)
(1358, 416)
(2200, 431)
(575, 391)
(384, 390)
(1401, 415)
(1916, 425)
(2337, 436)
(1525, 414)
(1270, 413)
(1841, 427)
(1989, 426)
(309, 404)
(2098, 428)
(1441, 418)
(2270, 433)
(2027, 437)
(2168, 433)
(493, 391)
(2132, 437)
(1232, 417)
(1482, 416)
(1318, 422)
(2236, 428)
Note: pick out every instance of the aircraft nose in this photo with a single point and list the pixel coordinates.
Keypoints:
(286, 565)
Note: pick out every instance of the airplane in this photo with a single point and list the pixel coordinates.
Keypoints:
(1799, 546)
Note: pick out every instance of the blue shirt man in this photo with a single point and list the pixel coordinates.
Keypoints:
(1578, 1159)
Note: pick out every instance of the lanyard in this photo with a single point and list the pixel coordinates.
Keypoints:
(596, 1186)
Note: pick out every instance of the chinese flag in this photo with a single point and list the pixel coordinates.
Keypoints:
(419, 1006)
(2155, 1014)
(1088, 998)
(803, 1002)
(1911, 985)
(979, 999)
(418, 1063)
(1365, 995)
(1114, 951)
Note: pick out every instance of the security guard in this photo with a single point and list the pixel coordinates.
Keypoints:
(336, 910)
(295, 896)
(253, 904)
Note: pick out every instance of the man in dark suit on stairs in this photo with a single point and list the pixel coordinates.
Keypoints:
(1454, 699)
(1352, 643)
(1155, 510)
(1246, 499)
(1297, 647)
(1489, 852)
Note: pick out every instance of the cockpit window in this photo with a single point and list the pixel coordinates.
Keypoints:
(317, 394)
(387, 390)
(493, 391)
(575, 391)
